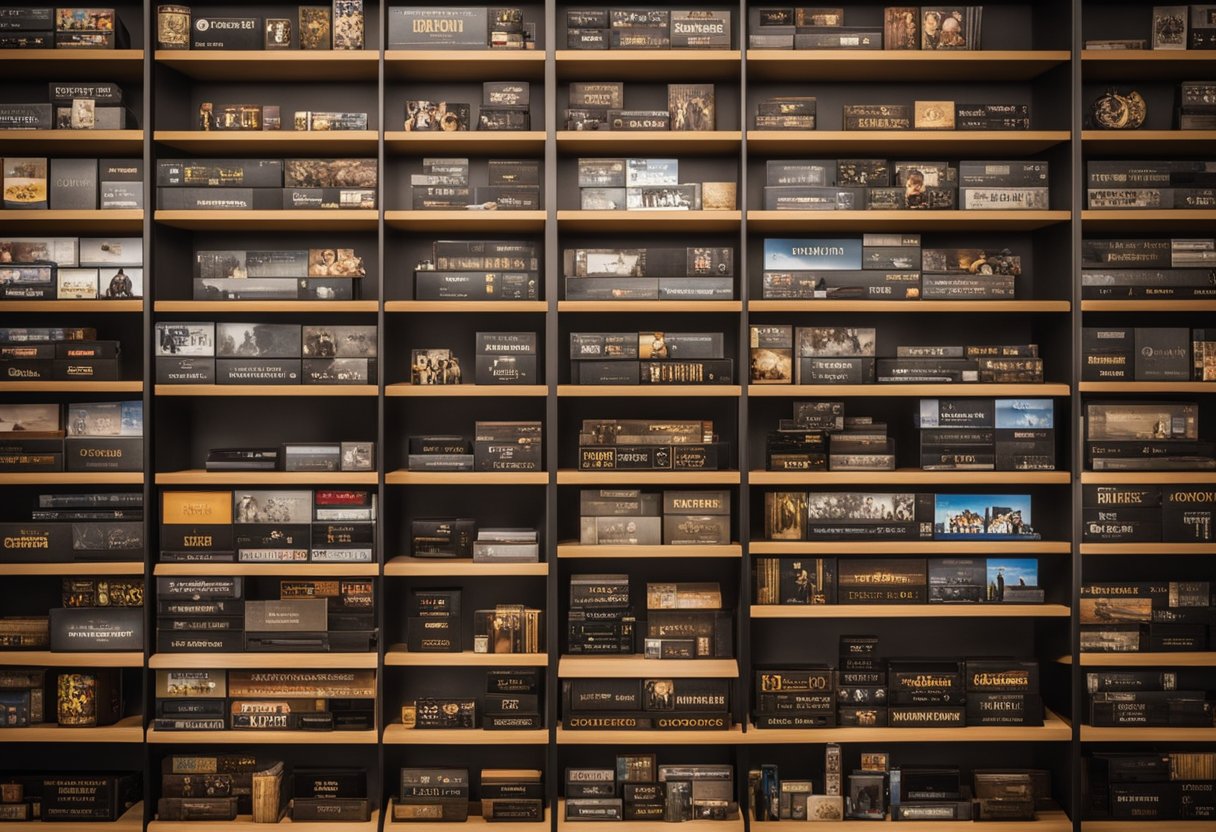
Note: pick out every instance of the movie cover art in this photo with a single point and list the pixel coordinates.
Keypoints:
(982, 517)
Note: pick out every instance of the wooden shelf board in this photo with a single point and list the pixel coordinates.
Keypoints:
(1054, 820)
(475, 820)
(398, 656)
(396, 734)
(1179, 659)
(259, 661)
(578, 550)
(1046, 821)
(683, 142)
(200, 477)
(127, 729)
(290, 65)
(465, 64)
(843, 65)
(730, 825)
(355, 219)
(408, 566)
(909, 476)
(36, 658)
(1147, 477)
(918, 390)
(315, 570)
(1141, 826)
(73, 222)
(463, 306)
(270, 141)
(465, 220)
(800, 221)
(254, 737)
(79, 478)
(912, 611)
(733, 736)
(1054, 729)
(473, 142)
(661, 306)
(1147, 141)
(250, 390)
(322, 306)
(135, 567)
(71, 307)
(131, 820)
(1148, 387)
(119, 64)
(966, 142)
(1091, 734)
(1139, 221)
(1010, 307)
(244, 823)
(73, 142)
(647, 65)
(1144, 64)
(442, 391)
(71, 386)
(572, 220)
(648, 391)
(1148, 306)
(628, 667)
(467, 478)
(648, 477)
(909, 547)
(1148, 548)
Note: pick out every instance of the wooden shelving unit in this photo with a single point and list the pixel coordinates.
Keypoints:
(1175, 387)
(634, 221)
(912, 611)
(314, 570)
(638, 391)
(72, 142)
(318, 478)
(1147, 477)
(77, 478)
(647, 477)
(1148, 306)
(578, 550)
(244, 823)
(1148, 548)
(286, 142)
(917, 390)
(628, 667)
(260, 737)
(433, 391)
(260, 306)
(45, 658)
(784, 222)
(733, 825)
(580, 736)
(888, 142)
(476, 821)
(910, 547)
(649, 306)
(72, 306)
(127, 730)
(467, 478)
(1178, 659)
(73, 568)
(422, 307)
(844, 65)
(910, 477)
(404, 566)
(352, 219)
(964, 307)
(335, 390)
(1054, 729)
(1091, 734)
(396, 734)
(398, 656)
(260, 661)
(71, 387)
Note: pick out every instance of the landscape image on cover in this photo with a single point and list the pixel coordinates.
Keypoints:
(982, 516)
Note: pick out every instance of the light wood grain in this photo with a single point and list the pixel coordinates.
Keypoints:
(72, 307)
(1147, 477)
(1010, 307)
(431, 306)
(73, 568)
(127, 730)
(285, 306)
(258, 661)
(315, 570)
(256, 737)
(1148, 387)
(911, 611)
(732, 736)
(642, 391)
(467, 478)
(1148, 549)
(397, 734)
(1091, 734)
(910, 547)
(250, 390)
(475, 820)
(34, 658)
(1172, 659)
(406, 566)
(578, 550)
(1148, 306)
(398, 656)
(441, 391)
(910, 477)
(661, 306)
(71, 387)
(628, 667)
